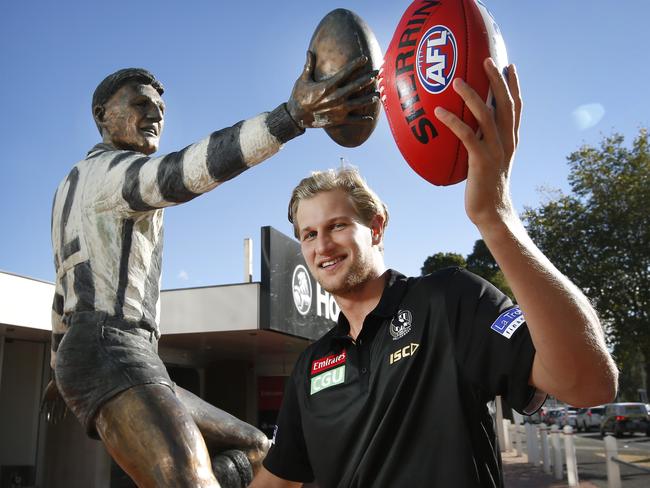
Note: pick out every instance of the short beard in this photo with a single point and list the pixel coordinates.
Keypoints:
(360, 273)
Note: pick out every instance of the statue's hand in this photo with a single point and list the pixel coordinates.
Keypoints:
(329, 102)
(52, 403)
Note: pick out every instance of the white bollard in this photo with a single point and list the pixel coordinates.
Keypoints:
(531, 443)
(557, 452)
(613, 469)
(570, 453)
(516, 439)
(507, 445)
(500, 427)
(546, 448)
(523, 440)
(513, 437)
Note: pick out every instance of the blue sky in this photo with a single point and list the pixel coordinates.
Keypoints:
(583, 67)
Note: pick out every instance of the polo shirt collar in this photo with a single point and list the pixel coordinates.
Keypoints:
(391, 297)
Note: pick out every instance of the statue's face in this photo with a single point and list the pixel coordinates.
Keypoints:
(133, 118)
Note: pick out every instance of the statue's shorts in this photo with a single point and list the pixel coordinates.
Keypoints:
(101, 356)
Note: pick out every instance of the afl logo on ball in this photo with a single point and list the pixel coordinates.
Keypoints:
(437, 57)
(301, 289)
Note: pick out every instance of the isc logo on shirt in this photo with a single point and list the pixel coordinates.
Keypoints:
(329, 378)
(404, 352)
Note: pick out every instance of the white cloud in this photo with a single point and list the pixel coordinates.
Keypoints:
(587, 116)
(183, 275)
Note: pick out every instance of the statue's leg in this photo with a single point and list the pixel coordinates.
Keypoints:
(223, 431)
(153, 437)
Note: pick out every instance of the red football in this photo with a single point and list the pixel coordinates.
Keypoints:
(435, 42)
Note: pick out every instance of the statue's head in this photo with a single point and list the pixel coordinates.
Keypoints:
(129, 111)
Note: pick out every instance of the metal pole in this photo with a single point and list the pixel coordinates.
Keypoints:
(570, 453)
(248, 260)
(557, 452)
(546, 448)
(613, 470)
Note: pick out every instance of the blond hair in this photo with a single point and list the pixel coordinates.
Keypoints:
(366, 203)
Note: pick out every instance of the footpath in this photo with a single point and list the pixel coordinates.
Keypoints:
(519, 474)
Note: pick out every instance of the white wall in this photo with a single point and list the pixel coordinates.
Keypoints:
(210, 309)
(25, 302)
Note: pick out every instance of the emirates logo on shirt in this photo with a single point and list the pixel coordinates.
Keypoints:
(327, 372)
(328, 362)
(401, 324)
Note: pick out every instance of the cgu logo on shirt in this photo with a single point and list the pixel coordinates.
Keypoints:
(327, 371)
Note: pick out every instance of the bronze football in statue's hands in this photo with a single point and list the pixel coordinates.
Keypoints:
(340, 38)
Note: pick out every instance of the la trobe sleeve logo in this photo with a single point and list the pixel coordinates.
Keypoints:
(301, 287)
(508, 322)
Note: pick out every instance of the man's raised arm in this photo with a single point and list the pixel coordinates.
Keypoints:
(565, 329)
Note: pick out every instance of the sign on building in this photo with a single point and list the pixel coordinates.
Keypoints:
(295, 303)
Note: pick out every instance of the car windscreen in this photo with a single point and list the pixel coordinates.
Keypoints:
(634, 409)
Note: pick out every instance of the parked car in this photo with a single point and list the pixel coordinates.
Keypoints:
(556, 416)
(561, 416)
(543, 413)
(571, 418)
(621, 418)
(590, 418)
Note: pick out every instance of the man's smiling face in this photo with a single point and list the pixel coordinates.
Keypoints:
(335, 244)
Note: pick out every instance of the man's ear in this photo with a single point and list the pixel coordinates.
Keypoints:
(98, 113)
(377, 229)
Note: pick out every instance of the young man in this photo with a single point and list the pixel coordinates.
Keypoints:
(395, 395)
(107, 229)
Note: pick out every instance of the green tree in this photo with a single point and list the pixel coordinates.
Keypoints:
(599, 236)
(482, 263)
(442, 260)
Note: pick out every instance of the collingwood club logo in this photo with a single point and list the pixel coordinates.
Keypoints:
(301, 289)
(401, 324)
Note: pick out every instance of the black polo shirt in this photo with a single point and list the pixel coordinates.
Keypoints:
(405, 405)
